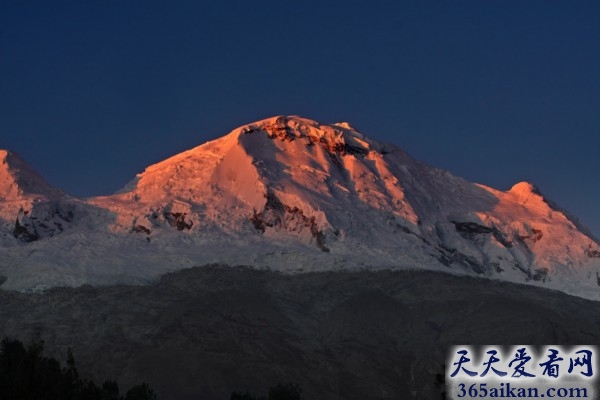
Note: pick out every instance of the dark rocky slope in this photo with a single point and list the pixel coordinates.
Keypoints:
(205, 332)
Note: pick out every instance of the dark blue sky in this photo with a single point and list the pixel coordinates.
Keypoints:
(494, 91)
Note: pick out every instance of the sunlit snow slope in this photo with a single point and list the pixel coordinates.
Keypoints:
(295, 195)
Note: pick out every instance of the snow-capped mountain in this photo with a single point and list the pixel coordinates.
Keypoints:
(295, 195)
(29, 206)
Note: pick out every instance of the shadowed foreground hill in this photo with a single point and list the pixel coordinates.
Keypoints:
(26, 374)
(205, 332)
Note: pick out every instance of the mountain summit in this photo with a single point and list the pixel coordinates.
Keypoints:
(19, 181)
(25, 200)
(292, 194)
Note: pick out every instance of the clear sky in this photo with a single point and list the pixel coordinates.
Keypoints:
(494, 91)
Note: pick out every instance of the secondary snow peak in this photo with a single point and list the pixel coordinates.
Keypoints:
(524, 188)
(18, 179)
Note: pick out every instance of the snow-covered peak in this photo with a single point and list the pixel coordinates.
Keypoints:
(524, 190)
(18, 179)
(524, 187)
(336, 138)
(345, 125)
(30, 208)
(294, 194)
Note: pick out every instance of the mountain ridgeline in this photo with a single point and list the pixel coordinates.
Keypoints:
(294, 195)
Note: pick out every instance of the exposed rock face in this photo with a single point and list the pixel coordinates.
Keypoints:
(469, 230)
(337, 139)
(22, 233)
(178, 221)
(205, 332)
(278, 216)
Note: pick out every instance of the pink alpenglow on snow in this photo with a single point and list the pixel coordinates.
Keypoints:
(296, 195)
